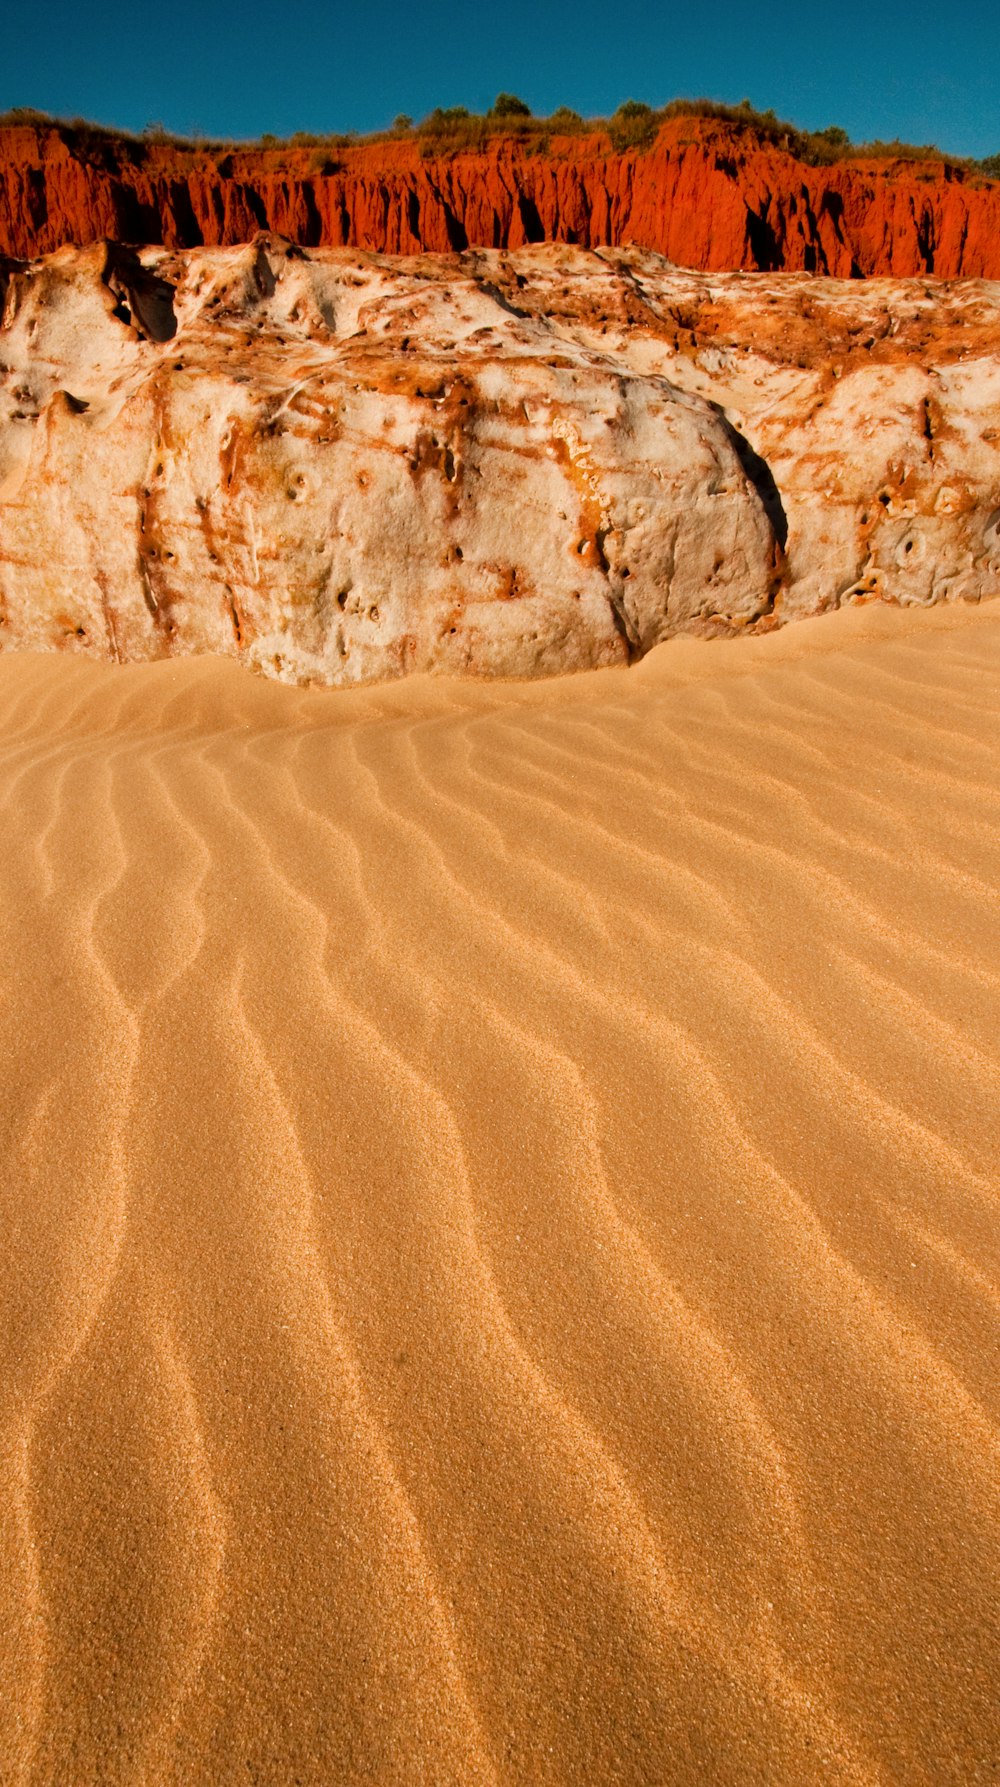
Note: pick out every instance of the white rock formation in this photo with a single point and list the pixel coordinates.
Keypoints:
(874, 406)
(344, 467)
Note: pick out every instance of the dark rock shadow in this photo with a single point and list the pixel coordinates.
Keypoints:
(759, 474)
(144, 301)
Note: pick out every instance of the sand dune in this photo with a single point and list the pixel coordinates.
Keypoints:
(499, 1185)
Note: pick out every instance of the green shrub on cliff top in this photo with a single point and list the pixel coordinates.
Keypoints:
(507, 105)
(448, 129)
(633, 126)
(566, 122)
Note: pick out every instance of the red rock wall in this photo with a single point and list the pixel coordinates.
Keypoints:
(707, 195)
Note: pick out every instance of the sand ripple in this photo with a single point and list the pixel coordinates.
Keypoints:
(502, 1272)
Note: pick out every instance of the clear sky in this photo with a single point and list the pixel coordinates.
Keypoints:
(924, 72)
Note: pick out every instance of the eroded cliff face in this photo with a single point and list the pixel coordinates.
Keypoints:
(345, 467)
(706, 195)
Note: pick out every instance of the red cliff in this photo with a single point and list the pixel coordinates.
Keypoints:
(707, 195)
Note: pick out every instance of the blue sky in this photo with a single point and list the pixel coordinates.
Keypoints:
(922, 73)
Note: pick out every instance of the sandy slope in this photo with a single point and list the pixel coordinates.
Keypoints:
(499, 1192)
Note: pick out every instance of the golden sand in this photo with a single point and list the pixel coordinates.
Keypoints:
(500, 1263)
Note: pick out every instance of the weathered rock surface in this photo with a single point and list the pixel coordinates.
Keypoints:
(343, 467)
(870, 410)
(346, 469)
(708, 194)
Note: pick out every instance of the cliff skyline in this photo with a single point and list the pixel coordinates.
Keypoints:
(710, 193)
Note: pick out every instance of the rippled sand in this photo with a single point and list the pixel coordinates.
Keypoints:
(500, 1261)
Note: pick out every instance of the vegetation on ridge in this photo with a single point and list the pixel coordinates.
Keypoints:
(446, 130)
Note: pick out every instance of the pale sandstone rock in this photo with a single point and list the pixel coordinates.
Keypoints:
(344, 467)
(345, 470)
(875, 406)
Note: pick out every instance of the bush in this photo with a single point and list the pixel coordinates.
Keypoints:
(450, 129)
(566, 122)
(322, 162)
(897, 151)
(24, 114)
(444, 118)
(633, 126)
(507, 105)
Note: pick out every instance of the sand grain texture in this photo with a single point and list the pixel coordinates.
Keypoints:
(499, 1198)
